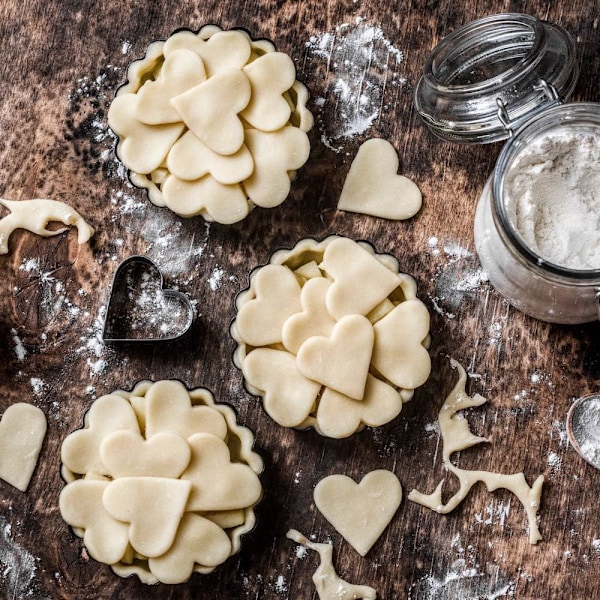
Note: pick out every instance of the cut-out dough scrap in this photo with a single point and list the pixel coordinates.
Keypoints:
(260, 321)
(288, 395)
(182, 70)
(198, 541)
(342, 360)
(22, 432)
(81, 450)
(457, 436)
(210, 110)
(217, 483)
(35, 215)
(399, 354)
(359, 512)
(153, 506)
(373, 187)
(106, 538)
(128, 454)
(328, 584)
(360, 281)
(339, 416)
(169, 408)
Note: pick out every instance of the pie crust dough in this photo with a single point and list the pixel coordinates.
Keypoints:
(457, 436)
(327, 582)
(22, 432)
(372, 186)
(212, 123)
(359, 512)
(35, 215)
(161, 482)
(332, 336)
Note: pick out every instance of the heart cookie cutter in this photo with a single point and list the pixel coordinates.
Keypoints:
(140, 309)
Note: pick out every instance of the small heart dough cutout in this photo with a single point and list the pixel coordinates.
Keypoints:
(372, 186)
(342, 360)
(359, 512)
(22, 432)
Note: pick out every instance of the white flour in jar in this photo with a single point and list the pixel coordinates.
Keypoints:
(552, 195)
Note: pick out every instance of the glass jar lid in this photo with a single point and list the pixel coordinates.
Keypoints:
(484, 80)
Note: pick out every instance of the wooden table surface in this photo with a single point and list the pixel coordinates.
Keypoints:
(60, 63)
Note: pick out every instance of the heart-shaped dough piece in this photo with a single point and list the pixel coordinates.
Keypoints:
(143, 148)
(288, 396)
(260, 321)
(169, 408)
(398, 352)
(217, 483)
(223, 50)
(198, 541)
(339, 416)
(359, 512)
(313, 320)
(190, 159)
(153, 506)
(360, 283)
(80, 451)
(341, 361)
(372, 186)
(275, 155)
(128, 454)
(105, 538)
(270, 77)
(182, 70)
(22, 433)
(224, 203)
(210, 109)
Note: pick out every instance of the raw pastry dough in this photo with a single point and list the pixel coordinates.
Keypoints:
(327, 582)
(212, 123)
(372, 186)
(359, 511)
(34, 215)
(332, 336)
(161, 482)
(22, 433)
(456, 436)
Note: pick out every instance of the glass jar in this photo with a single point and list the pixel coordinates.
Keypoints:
(506, 77)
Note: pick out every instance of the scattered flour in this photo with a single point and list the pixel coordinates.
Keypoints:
(17, 566)
(20, 350)
(360, 62)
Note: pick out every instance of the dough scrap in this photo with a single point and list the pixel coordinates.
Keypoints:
(372, 186)
(328, 584)
(457, 436)
(35, 215)
(22, 432)
(161, 482)
(331, 335)
(212, 123)
(359, 512)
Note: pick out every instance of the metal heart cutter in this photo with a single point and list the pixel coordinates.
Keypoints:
(140, 309)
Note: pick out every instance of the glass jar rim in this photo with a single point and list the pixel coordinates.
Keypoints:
(486, 77)
(554, 118)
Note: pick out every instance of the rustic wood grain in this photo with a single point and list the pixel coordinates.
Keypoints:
(60, 63)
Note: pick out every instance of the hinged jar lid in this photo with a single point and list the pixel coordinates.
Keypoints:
(485, 79)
